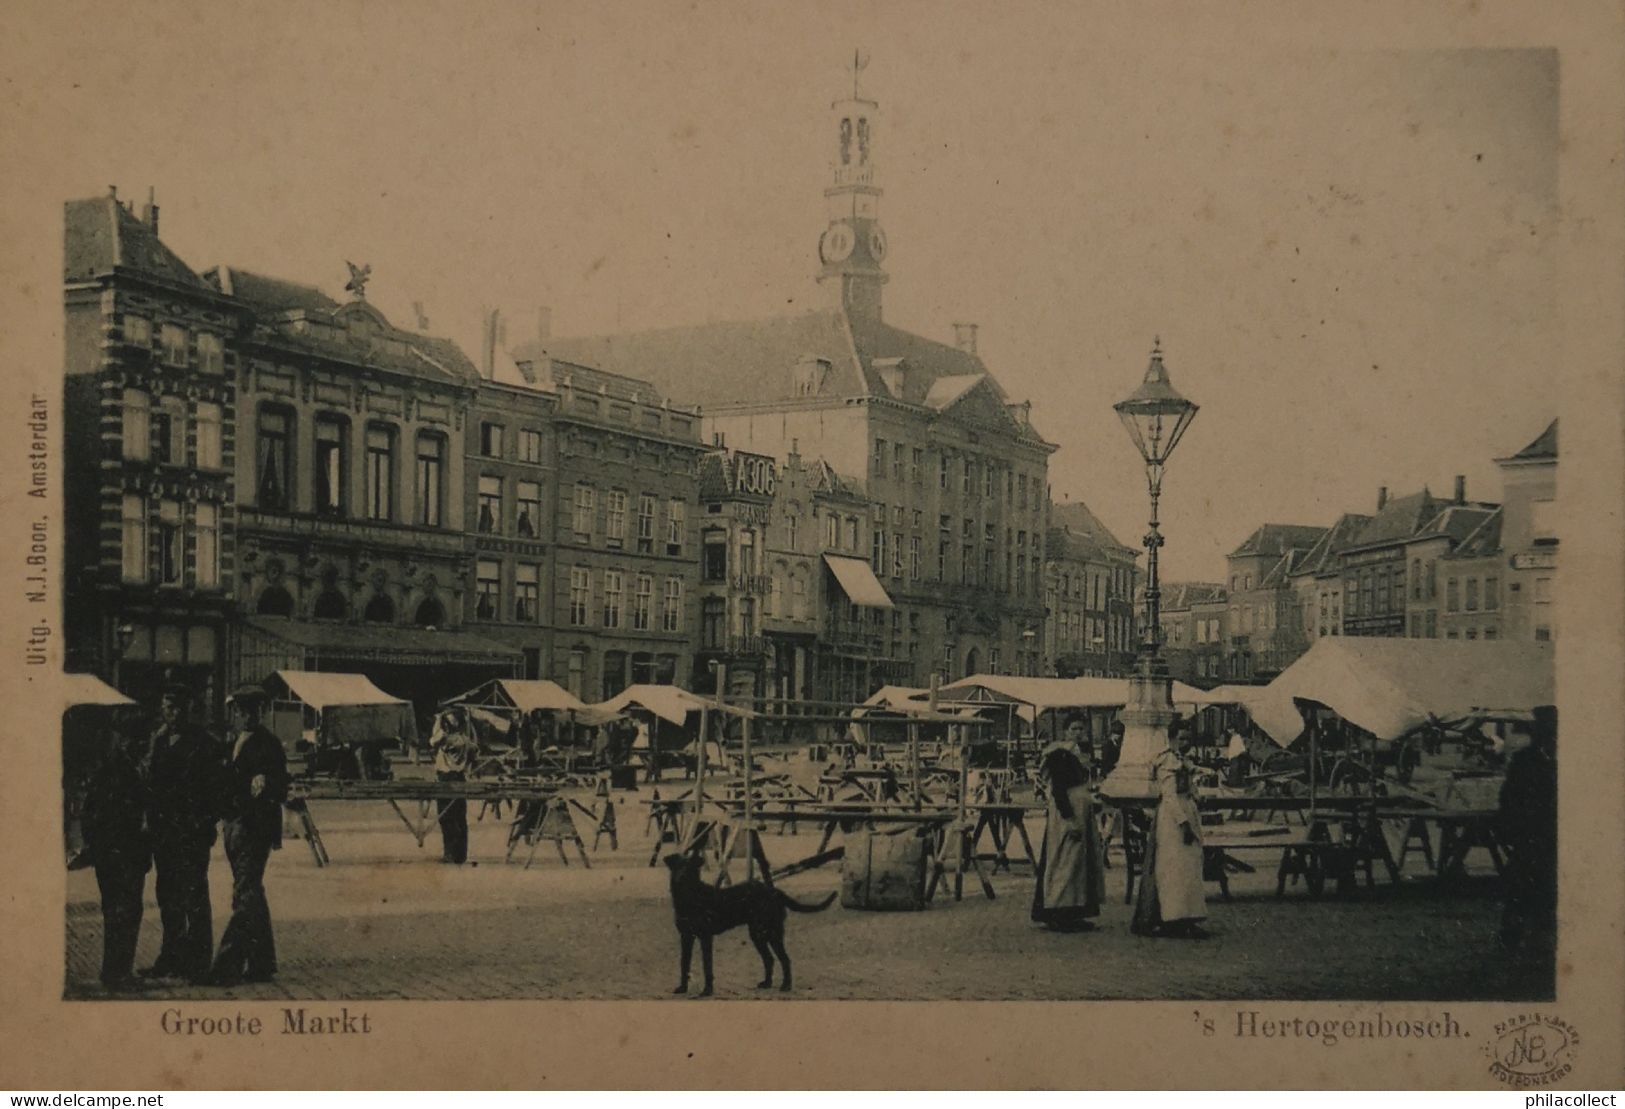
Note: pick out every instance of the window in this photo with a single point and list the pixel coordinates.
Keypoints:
(379, 610)
(1543, 522)
(380, 473)
(1472, 633)
(1471, 594)
(431, 480)
(792, 528)
(914, 558)
(916, 466)
(942, 471)
(137, 425)
(487, 589)
(138, 331)
(577, 668)
(527, 513)
(211, 355)
(581, 518)
(1492, 595)
(491, 440)
(615, 517)
(1416, 579)
(1021, 491)
(747, 617)
(1491, 633)
(329, 466)
(527, 584)
(987, 480)
(852, 533)
(208, 545)
(172, 339)
(671, 616)
(613, 584)
(580, 595)
(967, 481)
(489, 504)
(169, 542)
(1452, 601)
(713, 623)
(646, 523)
(747, 552)
(530, 445)
(832, 531)
(877, 552)
(1543, 634)
(1543, 591)
(134, 532)
(170, 426)
(897, 453)
(879, 467)
(714, 563)
(208, 435)
(275, 432)
(642, 602)
(676, 526)
(1382, 593)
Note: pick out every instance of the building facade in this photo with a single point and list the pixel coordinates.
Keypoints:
(150, 444)
(1090, 580)
(1529, 535)
(953, 471)
(1194, 629)
(1265, 625)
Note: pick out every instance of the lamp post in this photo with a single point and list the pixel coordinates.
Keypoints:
(1156, 417)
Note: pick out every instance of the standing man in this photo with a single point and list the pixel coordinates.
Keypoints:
(454, 748)
(1528, 829)
(187, 772)
(256, 785)
(117, 843)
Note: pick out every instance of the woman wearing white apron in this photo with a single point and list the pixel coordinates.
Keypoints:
(1172, 901)
(1071, 882)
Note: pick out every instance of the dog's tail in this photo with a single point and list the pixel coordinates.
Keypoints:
(797, 907)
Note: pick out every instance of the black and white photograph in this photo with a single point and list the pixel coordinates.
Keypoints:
(810, 504)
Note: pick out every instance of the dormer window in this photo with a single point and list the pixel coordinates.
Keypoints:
(811, 374)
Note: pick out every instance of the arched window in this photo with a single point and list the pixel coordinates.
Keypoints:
(973, 661)
(331, 605)
(379, 610)
(275, 601)
(430, 614)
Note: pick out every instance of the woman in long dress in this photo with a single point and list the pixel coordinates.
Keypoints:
(1071, 879)
(1172, 901)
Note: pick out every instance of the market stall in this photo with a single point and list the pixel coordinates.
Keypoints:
(338, 722)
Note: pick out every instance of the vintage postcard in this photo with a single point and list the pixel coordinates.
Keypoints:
(814, 545)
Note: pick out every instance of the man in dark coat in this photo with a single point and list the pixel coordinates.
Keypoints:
(187, 772)
(1528, 830)
(118, 845)
(256, 786)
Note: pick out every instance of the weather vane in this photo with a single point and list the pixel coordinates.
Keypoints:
(359, 276)
(860, 61)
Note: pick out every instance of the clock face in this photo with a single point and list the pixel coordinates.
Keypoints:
(877, 243)
(836, 244)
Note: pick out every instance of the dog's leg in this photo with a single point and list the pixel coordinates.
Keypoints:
(757, 938)
(705, 959)
(687, 957)
(784, 961)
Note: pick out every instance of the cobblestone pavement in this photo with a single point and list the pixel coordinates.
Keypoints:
(389, 920)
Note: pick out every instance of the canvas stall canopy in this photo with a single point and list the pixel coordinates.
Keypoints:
(88, 689)
(1391, 687)
(86, 721)
(348, 708)
(667, 702)
(893, 698)
(1043, 694)
(521, 695)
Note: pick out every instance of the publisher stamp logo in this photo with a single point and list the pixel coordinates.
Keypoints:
(1532, 1049)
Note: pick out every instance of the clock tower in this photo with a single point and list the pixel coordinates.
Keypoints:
(853, 246)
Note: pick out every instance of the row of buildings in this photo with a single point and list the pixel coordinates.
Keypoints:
(262, 476)
(1418, 566)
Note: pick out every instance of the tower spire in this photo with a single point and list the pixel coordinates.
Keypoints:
(853, 245)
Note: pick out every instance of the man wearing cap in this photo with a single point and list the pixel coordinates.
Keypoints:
(455, 748)
(187, 772)
(256, 785)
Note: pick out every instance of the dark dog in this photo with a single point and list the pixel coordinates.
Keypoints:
(704, 912)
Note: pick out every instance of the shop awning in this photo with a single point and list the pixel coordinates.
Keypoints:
(857, 581)
(88, 689)
(1390, 687)
(1043, 694)
(320, 691)
(665, 701)
(385, 643)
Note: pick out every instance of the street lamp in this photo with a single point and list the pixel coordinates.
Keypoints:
(1156, 417)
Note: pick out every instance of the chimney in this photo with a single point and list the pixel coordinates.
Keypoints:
(544, 324)
(488, 343)
(149, 214)
(1461, 488)
(965, 337)
(1382, 497)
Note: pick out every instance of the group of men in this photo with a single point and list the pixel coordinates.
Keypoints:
(156, 803)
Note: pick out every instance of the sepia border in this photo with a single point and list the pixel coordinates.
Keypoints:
(48, 1043)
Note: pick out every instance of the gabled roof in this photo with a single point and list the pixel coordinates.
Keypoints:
(1544, 446)
(1077, 532)
(1455, 522)
(1183, 594)
(1400, 519)
(1484, 541)
(1323, 555)
(1288, 565)
(102, 235)
(1277, 539)
(268, 293)
(945, 390)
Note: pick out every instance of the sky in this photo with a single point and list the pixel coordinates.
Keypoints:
(1347, 253)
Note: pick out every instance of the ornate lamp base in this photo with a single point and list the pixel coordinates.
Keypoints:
(1145, 718)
